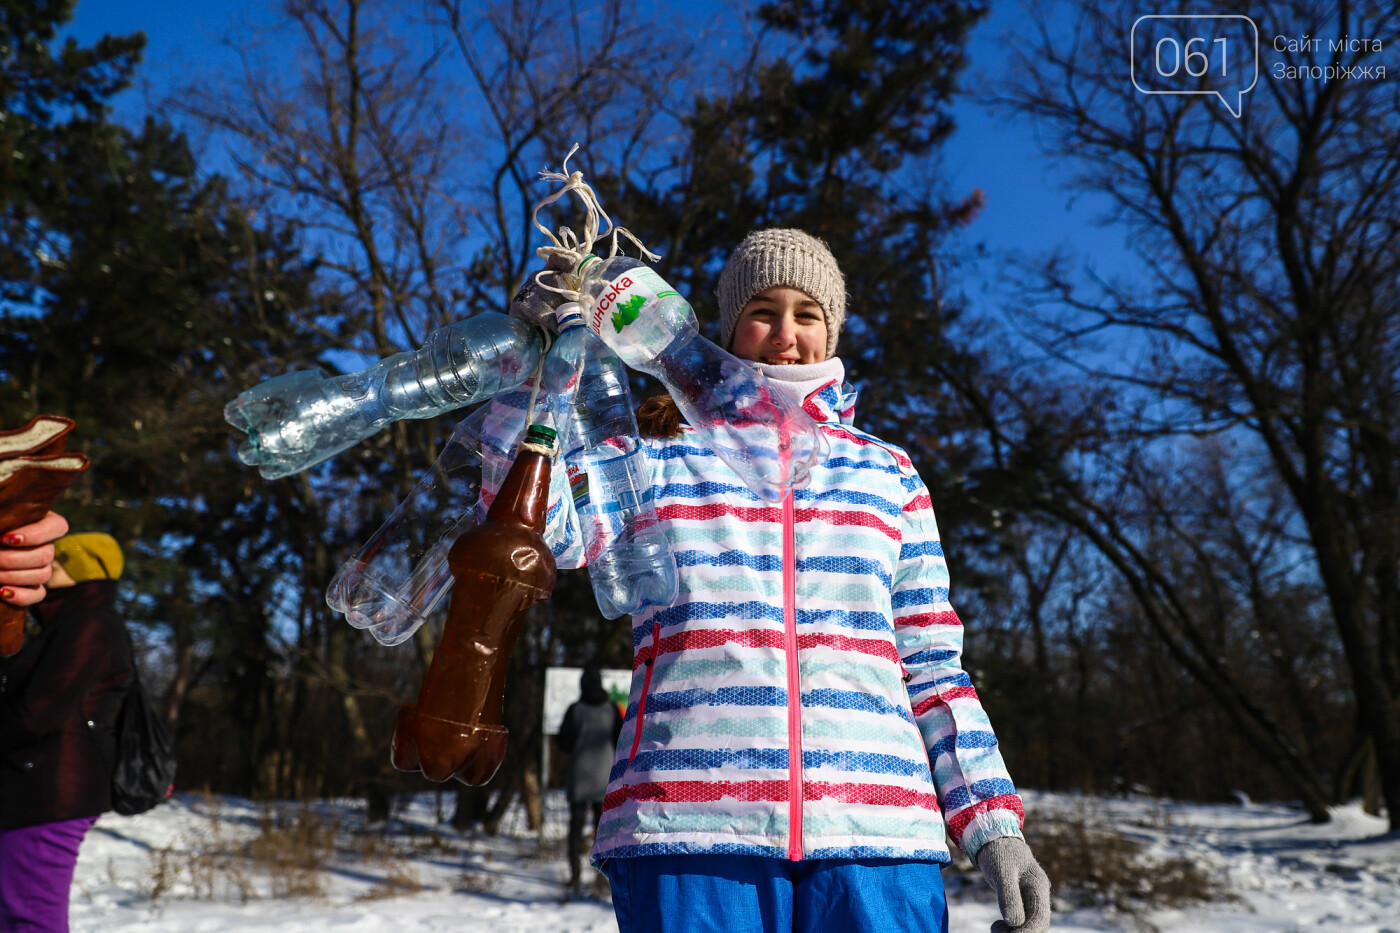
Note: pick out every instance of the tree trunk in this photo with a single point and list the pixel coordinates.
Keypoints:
(182, 681)
(471, 807)
(497, 811)
(534, 803)
(1370, 660)
(1258, 729)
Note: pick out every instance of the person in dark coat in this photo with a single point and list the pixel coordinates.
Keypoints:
(589, 734)
(59, 700)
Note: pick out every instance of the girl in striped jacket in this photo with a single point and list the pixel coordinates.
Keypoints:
(801, 735)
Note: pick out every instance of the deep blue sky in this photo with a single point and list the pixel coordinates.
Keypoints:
(1027, 208)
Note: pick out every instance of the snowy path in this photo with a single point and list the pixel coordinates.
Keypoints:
(1287, 876)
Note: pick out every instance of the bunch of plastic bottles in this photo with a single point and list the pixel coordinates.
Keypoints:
(619, 311)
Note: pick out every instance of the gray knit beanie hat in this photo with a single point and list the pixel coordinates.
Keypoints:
(782, 257)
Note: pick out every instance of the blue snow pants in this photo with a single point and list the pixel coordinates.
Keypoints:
(751, 894)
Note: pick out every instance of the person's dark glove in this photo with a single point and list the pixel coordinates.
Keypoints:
(1023, 888)
(534, 302)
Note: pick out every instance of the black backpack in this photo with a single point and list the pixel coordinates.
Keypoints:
(145, 766)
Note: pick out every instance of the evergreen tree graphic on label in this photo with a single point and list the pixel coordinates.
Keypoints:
(627, 312)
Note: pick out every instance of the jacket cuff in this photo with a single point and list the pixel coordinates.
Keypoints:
(988, 826)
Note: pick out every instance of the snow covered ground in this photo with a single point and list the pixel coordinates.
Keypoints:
(206, 864)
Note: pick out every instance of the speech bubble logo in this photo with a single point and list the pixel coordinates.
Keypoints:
(1211, 54)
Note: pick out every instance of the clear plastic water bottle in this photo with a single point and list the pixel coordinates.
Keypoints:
(297, 420)
(630, 562)
(753, 426)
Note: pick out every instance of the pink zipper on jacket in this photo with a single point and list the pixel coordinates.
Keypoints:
(650, 663)
(794, 681)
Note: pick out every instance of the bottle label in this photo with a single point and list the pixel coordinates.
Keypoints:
(578, 479)
(620, 476)
(612, 498)
(621, 303)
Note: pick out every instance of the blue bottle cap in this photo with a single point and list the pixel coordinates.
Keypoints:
(569, 314)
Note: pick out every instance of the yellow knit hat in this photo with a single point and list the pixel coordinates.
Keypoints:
(91, 555)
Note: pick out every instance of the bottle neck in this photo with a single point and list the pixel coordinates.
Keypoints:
(568, 316)
(524, 496)
(587, 261)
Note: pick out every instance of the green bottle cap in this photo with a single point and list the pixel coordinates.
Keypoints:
(541, 434)
(578, 269)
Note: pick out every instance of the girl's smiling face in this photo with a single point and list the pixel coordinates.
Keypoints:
(780, 325)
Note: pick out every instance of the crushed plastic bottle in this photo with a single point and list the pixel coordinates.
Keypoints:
(399, 577)
(754, 427)
(297, 420)
(630, 562)
(501, 567)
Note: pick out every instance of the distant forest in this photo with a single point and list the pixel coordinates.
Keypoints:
(1170, 504)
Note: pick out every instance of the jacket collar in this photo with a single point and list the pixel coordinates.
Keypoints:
(832, 402)
(59, 603)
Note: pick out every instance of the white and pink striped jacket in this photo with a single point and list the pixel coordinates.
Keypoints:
(804, 697)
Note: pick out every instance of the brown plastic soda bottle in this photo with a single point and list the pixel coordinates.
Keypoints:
(499, 569)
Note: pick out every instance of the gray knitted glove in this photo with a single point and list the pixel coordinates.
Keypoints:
(1023, 888)
(536, 304)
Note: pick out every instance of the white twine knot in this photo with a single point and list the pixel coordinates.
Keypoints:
(597, 224)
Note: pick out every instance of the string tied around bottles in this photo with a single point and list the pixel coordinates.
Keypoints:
(537, 377)
(597, 225)
(568, 245)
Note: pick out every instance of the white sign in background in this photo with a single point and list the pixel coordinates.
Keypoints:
(561, 689)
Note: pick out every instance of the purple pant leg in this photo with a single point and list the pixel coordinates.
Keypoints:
(36, 871)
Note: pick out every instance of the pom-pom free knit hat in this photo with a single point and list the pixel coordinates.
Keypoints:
(88, 556)
(782, 257)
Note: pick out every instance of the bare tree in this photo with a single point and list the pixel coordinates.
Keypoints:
(338, 122)
(405, 148)
(1267, 307)
(603, 78)
(1208, 583)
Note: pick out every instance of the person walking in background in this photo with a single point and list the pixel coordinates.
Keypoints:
(59, 699)
(589, 734)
